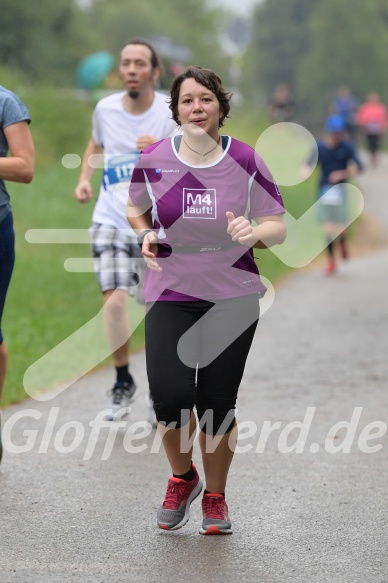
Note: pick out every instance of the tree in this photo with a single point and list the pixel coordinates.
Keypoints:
(190, 24)
(349, 46)
(45, 40)
(40, 39)
(280, 36)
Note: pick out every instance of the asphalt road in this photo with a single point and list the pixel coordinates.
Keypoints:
(308, 504)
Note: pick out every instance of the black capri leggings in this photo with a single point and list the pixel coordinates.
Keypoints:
(7, 260)
(373, 142)
(196, 353)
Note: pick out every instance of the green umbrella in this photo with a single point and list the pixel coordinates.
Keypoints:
(92, 70)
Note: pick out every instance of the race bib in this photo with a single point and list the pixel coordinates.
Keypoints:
(119, 169)
(333, 196)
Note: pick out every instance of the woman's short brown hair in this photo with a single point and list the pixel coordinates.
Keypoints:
(208, 79)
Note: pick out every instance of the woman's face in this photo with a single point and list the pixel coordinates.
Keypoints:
(198, 109)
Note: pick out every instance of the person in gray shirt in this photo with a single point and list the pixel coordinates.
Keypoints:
(16, 140)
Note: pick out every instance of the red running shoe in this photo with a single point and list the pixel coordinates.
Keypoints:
(174, 512)
(331, 267)
(215, 515)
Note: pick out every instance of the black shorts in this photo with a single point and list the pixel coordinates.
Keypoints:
(373, 142)
(196, 353)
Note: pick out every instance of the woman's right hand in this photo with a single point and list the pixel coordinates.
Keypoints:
(149, 250)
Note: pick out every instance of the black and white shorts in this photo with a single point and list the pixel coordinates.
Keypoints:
(118, 261)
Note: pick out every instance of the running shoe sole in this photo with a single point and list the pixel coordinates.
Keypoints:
(215, 530)
(215, 515)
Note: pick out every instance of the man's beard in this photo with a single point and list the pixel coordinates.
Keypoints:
(133, 94)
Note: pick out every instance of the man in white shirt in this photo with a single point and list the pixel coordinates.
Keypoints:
(123, 124)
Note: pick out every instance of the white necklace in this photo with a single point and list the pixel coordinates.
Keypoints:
(202, 157)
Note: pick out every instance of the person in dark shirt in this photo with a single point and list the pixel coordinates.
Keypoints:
(338, 162)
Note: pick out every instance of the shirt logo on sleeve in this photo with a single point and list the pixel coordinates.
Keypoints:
(199, 203)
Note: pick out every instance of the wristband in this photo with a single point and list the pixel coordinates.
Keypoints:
(140, 238)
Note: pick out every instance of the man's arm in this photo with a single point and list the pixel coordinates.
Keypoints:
(144, 142)
(84, 191)
(341, 175)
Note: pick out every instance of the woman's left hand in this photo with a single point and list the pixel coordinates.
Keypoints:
(240, 229)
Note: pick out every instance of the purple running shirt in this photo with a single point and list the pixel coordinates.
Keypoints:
(189, 205)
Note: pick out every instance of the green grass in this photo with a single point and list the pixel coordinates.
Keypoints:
(46, 304)
(52, 322)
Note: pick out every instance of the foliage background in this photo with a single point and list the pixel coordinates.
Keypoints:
(316, 46)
